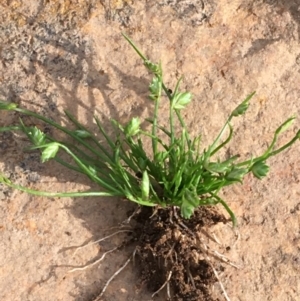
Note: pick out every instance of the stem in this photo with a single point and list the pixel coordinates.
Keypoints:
(134, 47)
(225, 142)
(233, 218)
(56, 125)
(84, 168)
(266, 155)
(78, 124)
(284, 147)
(178, 116)
(154, 125)
(7, 182)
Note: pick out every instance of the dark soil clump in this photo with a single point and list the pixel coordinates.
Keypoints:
(170, 253)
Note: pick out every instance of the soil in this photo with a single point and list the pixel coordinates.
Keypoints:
(169, 253)
(64, 54)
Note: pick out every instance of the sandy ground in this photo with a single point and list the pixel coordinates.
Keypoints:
(57, 55)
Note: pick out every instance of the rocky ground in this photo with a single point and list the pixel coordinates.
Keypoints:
(57, 55)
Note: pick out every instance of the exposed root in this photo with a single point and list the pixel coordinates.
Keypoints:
(205, 251)
(175, 256)
(191, 277)
(101, 239)
(93, 263)
(166, 282)
(212, 236)
(225, 259)
(154, 212)
(168, 291)
(219, 281)
(173, 253)
(135, 212)
(98, 298)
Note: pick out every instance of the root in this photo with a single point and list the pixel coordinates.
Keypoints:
(206, 252)
(212, 236)
(191, 277)
(154, 212)
(101, 239)
(93, 263)
(98, 298)
(219, 280)
(135, 212)
(168, 290)
(165, 283)
(225, 259)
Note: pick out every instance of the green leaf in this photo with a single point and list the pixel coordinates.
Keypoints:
(285, 125)
(93, 170)
(82, 134)
(35, 135)
(117, 125)
(208, 201)
(154, 88)
(186, 210)
(133, 127)
(260, 169)
(219, 167)
(155, 68)
(142, 163)
(180, 100)
(190, 201)
(50, 151)
(236, 174)
(161, 156)
(145, 186)
(7, 106)
(242, 108)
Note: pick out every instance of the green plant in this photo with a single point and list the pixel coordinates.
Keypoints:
(176, 174)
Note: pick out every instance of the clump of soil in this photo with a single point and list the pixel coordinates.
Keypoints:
(171, 254)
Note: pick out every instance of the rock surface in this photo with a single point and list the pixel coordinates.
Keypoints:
(57, 55)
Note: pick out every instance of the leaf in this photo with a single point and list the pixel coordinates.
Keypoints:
(187, 210)
(155, 68)
(117, 125)
(7, 106)
(161, 156)
(219, 167)
(154, 88)
(180, 100)
(190, 201)
(93, 170)
(35, 135)
(50, 151)
(133, 127)
(82, 134)
(145, 185)
(260, 169)
(242, 108)
(236, 174)
(142, 163)
(285, 125)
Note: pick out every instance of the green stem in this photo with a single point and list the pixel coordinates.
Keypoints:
(56, 125)
(233, 218)
(134, 47)
(266, 155)
(7, 182)
(182, 123)
(155, 117)
(79, 125)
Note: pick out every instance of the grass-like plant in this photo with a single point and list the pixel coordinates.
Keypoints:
(177, 173)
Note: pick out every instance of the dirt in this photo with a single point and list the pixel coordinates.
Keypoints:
(169, 253)
(57, 55)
